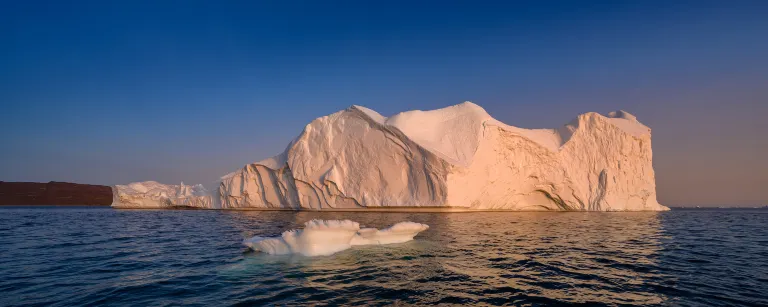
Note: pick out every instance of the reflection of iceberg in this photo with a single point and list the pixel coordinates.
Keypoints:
(322, 238)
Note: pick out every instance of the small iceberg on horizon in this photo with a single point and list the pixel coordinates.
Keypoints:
(327, 237)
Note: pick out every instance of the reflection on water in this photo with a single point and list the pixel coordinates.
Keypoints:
(485, 257)
(81, 256)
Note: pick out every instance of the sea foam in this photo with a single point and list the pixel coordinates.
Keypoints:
(326, 237)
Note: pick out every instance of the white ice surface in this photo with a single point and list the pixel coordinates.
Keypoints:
(323, 238)
(398, 233)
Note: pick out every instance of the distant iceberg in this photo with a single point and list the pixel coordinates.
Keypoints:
(454, 158)
(326, 237)
(152, 194)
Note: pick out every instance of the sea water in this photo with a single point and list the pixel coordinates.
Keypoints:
(65, 256)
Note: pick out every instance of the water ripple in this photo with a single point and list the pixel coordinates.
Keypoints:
(100, 256)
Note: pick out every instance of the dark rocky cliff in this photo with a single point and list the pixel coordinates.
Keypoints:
(54, 193)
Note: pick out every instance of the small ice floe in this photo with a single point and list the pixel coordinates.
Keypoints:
(326, 237)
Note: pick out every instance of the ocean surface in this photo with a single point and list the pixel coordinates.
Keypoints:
(73, 256)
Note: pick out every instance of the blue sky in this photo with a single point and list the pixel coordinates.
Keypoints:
(109, 92)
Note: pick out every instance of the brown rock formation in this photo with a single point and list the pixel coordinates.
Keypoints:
(54, 193)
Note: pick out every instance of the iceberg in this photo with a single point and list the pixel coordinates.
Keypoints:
(324, 238)
(151, 194)
(457, 158)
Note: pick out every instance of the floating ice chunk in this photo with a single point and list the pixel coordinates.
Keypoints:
(318, 238)
(323, 238)
(398, 233)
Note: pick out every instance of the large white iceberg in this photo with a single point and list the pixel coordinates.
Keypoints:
(455, 158)
(323, 238)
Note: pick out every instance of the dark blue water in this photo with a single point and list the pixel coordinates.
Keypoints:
(100, 256)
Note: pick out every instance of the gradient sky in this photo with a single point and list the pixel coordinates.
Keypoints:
(109, 92)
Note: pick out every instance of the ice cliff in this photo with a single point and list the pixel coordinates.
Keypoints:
(457, 157)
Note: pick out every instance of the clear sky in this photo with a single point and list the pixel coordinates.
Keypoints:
(109, 92)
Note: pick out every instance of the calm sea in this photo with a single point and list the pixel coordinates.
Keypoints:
(72, 256)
